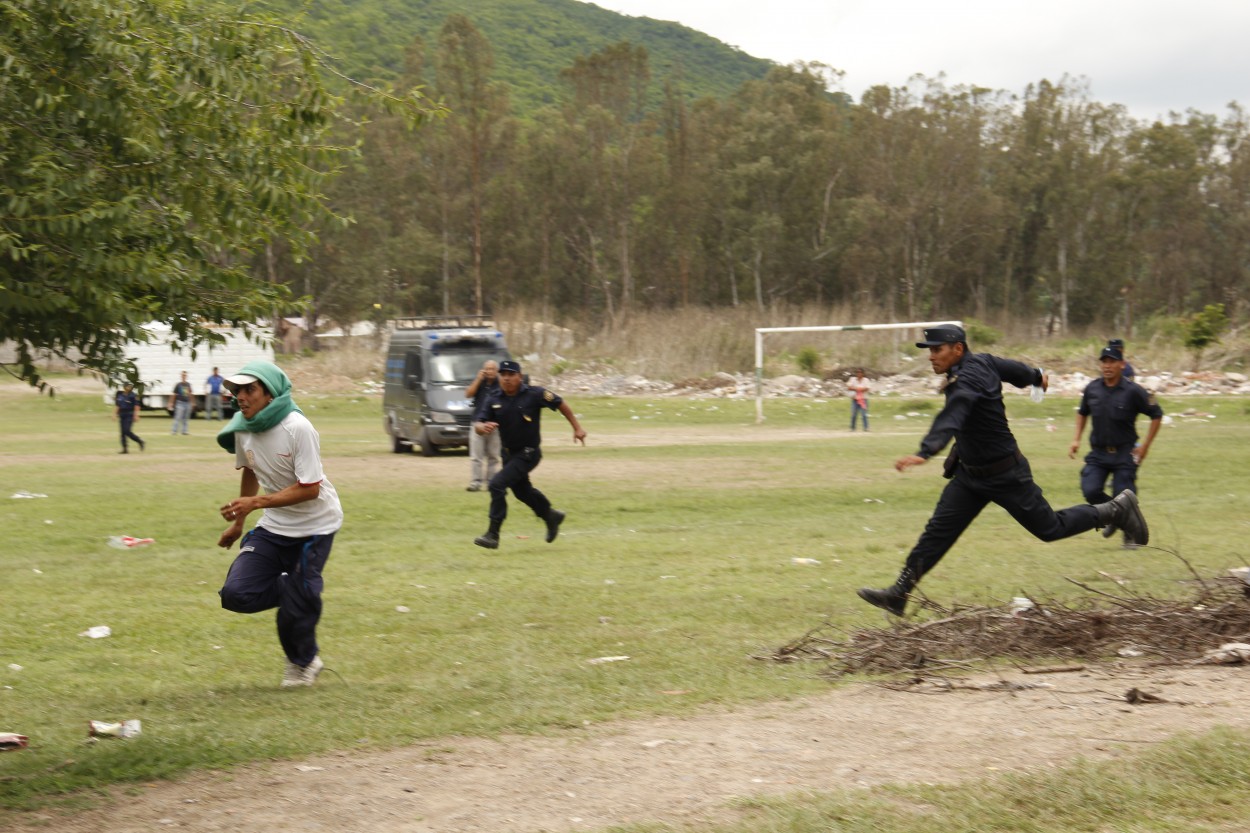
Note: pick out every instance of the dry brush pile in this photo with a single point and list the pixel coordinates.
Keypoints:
(1210, 627)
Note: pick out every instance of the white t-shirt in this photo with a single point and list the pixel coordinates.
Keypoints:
(287, 454)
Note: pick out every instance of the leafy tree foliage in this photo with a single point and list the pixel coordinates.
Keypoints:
(147, 148)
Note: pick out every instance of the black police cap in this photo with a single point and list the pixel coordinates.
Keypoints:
(946, 334)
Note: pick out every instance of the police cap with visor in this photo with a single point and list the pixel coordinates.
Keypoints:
(945, 334)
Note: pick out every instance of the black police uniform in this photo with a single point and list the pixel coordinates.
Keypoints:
(127, 403)
(1114, 434)
(987, 466)
(519, 418)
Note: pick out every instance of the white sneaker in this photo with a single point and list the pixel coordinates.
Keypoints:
(306, 675)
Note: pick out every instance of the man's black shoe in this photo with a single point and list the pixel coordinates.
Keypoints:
(890, 599)
(490, 540)
(554, 518)
(1129, 518)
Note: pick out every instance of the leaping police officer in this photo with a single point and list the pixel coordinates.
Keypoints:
(1114, 401)
(986, 465)
(514, 410)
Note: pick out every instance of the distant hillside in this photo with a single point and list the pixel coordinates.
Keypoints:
(533, 40)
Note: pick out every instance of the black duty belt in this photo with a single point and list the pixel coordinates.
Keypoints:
(1110, 449)
(995, 468)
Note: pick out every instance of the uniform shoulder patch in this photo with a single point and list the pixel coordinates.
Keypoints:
(548, 395)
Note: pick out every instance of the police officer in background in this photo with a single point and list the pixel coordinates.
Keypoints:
(514, 411)
(1114, 402)
(986, 465)
(1118, 344)
(126, 412)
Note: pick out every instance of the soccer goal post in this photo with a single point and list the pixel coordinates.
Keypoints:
(760, 332)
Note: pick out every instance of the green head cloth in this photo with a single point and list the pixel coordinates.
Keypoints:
(277, 383)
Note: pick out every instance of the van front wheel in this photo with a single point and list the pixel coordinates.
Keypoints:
(428, 449)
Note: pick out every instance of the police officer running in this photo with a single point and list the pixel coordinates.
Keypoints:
(126, 411)
(1114, 401)
(986, 465)
(514, 411)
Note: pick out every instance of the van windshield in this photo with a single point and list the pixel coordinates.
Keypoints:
(459, 367)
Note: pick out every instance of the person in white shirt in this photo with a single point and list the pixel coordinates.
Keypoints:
(484, 449)
(859, 398)
(281, 559)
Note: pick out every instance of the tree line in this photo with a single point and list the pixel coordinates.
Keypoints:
(916, 202)
(184, 163)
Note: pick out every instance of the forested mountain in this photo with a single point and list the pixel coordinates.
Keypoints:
(533, 40)
(583, 169)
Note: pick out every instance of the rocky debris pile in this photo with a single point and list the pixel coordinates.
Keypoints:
(724, 385)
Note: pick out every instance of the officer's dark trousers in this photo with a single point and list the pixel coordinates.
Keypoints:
(1099, 464)
(965, 496)
(515, 475)
(127, 423)
(276, 571)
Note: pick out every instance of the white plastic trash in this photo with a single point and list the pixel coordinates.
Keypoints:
(124, 729)
(1037, 394)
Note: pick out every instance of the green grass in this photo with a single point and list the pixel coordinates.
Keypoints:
(1183, 786)
(677, 554)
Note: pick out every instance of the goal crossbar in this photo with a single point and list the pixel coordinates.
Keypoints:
(760, 332)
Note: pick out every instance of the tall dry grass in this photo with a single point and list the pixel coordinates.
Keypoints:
(696, 342)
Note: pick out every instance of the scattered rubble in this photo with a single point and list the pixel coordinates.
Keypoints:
(723, 385)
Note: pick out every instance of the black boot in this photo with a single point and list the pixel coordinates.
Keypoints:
(893, 598)
(1123, 512)
(490, 539)
(554, 518)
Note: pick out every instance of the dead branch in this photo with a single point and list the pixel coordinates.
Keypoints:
(1169, 631)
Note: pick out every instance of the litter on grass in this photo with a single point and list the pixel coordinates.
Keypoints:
(602, 660)
(97, 632)
(12, 740)
(124, 729)
(25, 495)
(125, 542)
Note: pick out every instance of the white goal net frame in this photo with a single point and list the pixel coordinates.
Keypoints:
(760, 332)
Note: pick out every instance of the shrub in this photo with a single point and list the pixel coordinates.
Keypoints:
(808, 360)
(981, 335)
(1204, 328)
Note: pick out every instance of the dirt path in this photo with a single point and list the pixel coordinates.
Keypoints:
(690, 769)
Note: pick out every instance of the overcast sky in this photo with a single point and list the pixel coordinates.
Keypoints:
(1153, 56)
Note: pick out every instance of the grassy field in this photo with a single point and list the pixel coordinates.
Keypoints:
(684, 518)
